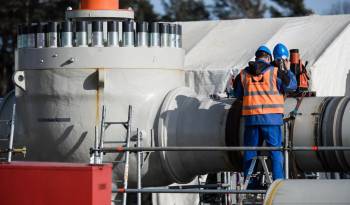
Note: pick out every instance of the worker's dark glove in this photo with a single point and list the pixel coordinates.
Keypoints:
(283, 75)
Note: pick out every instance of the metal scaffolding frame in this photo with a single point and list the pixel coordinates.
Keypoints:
(99, 150)
(10, 149)
(96, 153)
(200, 189)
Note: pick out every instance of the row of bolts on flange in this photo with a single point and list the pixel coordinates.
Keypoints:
(60, 34)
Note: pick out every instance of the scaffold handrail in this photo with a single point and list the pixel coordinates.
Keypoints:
(189, 191)
(220, 148)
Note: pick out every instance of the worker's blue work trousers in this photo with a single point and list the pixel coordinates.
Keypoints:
(272, 134)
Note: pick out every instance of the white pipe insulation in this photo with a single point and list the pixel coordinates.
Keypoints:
(305, 192)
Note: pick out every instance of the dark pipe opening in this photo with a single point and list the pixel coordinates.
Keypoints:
(233, 134)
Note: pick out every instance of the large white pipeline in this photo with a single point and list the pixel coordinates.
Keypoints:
(196, 121)
(59, 103)
(305, 192)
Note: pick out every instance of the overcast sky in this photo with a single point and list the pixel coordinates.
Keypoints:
(318, 6)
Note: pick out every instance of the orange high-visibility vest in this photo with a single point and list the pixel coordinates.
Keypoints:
(261, 95)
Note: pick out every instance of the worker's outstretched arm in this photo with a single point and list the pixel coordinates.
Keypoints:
(286, 81)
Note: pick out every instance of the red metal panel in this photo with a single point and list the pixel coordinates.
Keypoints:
(37, 183)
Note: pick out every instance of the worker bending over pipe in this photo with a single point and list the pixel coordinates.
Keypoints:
(262, 86)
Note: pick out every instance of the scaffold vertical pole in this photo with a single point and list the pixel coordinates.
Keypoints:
(286, 151)
(227, 182)
(10, 148)
(96, 158)
(139, 170)
(126, 167)
(102, 132)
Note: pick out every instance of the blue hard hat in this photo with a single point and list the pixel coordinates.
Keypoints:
(280, 52)
(265, 49)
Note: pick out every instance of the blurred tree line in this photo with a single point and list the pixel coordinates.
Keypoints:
(14, 12)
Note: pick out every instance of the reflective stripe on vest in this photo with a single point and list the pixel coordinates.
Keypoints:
(261, 95)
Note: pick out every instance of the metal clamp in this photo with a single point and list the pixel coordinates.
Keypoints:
(19, 80)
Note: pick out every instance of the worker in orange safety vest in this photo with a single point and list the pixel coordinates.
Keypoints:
(261, 87)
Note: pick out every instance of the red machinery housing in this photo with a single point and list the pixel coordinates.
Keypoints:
(299, 69)
(99, 4)
(38, 183)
